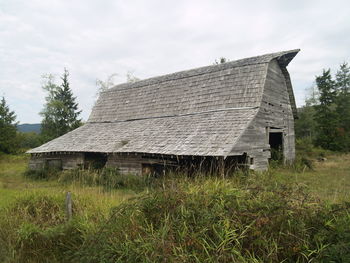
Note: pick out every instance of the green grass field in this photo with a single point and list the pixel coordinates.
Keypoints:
(329, 181)
(282, 215)
(13, 185)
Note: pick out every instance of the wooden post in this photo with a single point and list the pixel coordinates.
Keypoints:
(69, 206)
(222, 166)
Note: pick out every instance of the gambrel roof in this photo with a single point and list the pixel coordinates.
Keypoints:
(201, 111)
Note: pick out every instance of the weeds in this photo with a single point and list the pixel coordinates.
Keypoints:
(34, 228)
(256, 217)
(250, 219)
(108, 178)
(47, 173)
(215, 221)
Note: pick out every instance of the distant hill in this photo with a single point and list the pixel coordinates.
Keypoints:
(29, 127)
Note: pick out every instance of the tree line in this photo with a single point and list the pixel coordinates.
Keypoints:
(325, 119)
(59, 116)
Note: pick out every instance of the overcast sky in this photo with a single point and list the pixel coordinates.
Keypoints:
(94, 39)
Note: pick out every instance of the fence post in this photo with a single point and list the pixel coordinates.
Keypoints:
(69, 206)
(222, 166)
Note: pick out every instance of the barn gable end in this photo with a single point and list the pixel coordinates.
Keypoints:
(209, 113)
(275, 119)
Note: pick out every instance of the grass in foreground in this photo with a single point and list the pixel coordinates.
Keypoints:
(13, 185)
(186, 220)
(283, 215)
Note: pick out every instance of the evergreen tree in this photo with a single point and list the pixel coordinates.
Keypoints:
(343, 79)
(8, 129)
(60, 114)
(326, 117)
(68, 111)
(343, 105)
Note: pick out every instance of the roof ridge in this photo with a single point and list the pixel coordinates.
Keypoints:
(255, 60)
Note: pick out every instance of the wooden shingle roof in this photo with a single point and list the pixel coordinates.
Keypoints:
(201, 111)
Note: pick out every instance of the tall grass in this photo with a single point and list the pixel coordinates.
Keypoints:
(246, 219)
(108, 178)
(288, 214)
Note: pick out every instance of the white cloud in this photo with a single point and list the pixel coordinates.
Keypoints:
(94, 39)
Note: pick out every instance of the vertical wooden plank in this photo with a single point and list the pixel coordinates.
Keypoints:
(69, 212)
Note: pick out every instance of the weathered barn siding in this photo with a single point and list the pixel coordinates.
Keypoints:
(136, 163)
(202, 115)
(274, 112)
(277, 108)
(68, 161)
(127, 164)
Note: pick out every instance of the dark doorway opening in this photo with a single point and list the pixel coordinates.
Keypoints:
(55, 164)
(213, 166)
(95, 160)
(276, 144)
(194, 165)
(154, 169)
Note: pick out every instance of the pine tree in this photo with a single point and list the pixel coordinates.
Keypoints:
(8, 129)
(60, 114)
(69, 108)
(326, 117)
(343, 105)
(343, 79)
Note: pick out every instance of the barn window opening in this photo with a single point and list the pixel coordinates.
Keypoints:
(276, 144)
(55, 164)
(95, 160)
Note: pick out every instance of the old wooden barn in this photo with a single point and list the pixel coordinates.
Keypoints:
(210, 118)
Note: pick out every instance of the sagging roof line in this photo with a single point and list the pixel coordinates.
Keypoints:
(218, 104)
(280, 56)
(178, 115)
